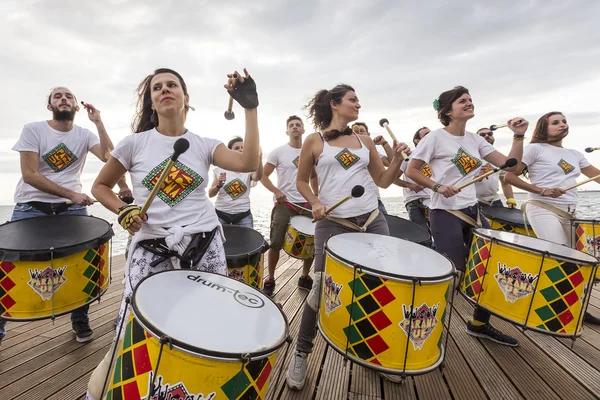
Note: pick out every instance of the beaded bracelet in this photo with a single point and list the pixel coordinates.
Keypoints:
(436, 187)
(519, 137)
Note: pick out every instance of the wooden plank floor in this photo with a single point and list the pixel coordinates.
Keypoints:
(41, 360)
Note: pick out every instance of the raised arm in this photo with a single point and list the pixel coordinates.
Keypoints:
(381, 176)
(257, 175)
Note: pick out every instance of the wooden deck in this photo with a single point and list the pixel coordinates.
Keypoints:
(41, 360)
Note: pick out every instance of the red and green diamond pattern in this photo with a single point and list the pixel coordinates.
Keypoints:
(368, 318)
(298, 245)
(561, 294)
(6, 284)
(95, 271)
(249, 383)
(480, 251)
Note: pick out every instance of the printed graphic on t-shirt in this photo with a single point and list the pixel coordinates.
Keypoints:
(425, 170)
(180, 182)
(235, 188)
(565, 166)
(296, 161)
(59, 158)
(465, 162)
(346, 158)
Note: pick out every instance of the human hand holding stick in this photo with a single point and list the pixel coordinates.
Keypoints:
(511, 162)
(357, 191)
(384, 123)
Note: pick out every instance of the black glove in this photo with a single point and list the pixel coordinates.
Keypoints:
(245, 93)
(126, 214)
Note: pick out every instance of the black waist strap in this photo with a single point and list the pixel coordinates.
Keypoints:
(192, 254)
(49, 208)
(232, 218)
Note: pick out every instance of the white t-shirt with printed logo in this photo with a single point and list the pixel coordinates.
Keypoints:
(234, 196)
(554, 167)
(410, 195)
(182, 201)
(62, 156)
(285, 159)
(453, 160)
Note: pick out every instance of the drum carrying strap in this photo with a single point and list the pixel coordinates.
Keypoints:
(545, 206)
(461, 215)
(353, 226)
(192, 254)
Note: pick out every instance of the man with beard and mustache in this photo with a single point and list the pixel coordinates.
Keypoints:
(52, 157)
(288, 201)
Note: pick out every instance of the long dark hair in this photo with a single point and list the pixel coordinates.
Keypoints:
(445, 102)
(319, 108)
(540, 133)
(143, 120)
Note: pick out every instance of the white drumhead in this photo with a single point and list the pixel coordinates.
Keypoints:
(303, 224)
(537, 245)
(210, 312)
(390, 255)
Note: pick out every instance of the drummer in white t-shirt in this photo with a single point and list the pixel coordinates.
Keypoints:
(233, 190)
(551, 167)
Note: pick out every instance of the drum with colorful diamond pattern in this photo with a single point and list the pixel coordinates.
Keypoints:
(244, 252)
(383, 302)
(534, 283)
(300, 237)
(586, 238)
(52, 265)
(197, 335)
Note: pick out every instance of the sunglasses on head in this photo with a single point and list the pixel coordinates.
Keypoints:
(484, 134)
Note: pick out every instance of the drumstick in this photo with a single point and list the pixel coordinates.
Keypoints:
(385, 124)
(229, 115)
(357, 191)
(356, 129)
(511, 162)
(180, 147)
(125, 199)
(590, 149)
(494, 127)
(582, 183)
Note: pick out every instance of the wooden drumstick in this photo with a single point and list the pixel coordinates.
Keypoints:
(494, 127)
(384, 123)
(582, 183)
(511, 162)
(180, 147)
(229, 115)
(357, 191)
(356, 129)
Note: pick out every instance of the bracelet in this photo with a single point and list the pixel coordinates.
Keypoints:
(220, 185)
(542, 192)
(383, 144)
(511, 200)
(518, 137)
(436, 187)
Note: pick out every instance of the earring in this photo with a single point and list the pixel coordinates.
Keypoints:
(154, 118)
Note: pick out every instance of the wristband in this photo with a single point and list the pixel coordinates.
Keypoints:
(220, 185)
(383, 144)
(511, 200)
(436, 187)
(542, 192)
(518, 137)
(126, 214)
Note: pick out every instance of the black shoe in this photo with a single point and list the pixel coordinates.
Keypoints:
(488, 332)
(269, 286)
(305, 283)
(590, 319)
(83, 332)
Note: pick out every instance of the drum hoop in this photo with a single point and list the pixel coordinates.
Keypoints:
(419, 228)
(193, 350)
(586, 221)
(396, 277)
(298, 230)
(477, 232)
(61, 252)
(257, 250)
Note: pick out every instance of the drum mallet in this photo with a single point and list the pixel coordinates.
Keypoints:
(494, 127)
(357, 191)
(229, 115)
(590, 149)
(511, 162)
(582, 183)
(384, 123)
(180, 147)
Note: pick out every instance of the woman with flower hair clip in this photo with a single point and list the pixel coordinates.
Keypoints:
(455, 156)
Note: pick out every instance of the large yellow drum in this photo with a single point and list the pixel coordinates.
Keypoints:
(52, 265)
(531, 282)
(506, 219)
(384, 301)
(244, 249)
(586, 238)
(196, 335)
(300, 237)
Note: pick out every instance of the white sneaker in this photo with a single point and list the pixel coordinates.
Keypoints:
(296, 374)
(392, 378)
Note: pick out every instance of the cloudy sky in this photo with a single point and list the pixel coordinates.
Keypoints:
(522, 57)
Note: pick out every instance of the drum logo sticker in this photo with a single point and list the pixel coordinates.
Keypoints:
(332, 295)
(246, 299)
(419, 323)
(346, 158)
(425, 170)
(592, 245)
(235, 188)
(465, 162)
(565, 166)
(237, 274)
(296, 161)
(59, 158)
(178, 391)
(514, 283)
(180, 182)
(47, 281)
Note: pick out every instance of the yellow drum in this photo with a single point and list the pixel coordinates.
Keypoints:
(531, 282)
(244, 249)
(383, 302)
(506, 219)
(52, 265)
(196, 335)
(300, 237)
(586, 238)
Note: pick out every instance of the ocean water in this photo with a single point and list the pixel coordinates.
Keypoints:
(262, 204)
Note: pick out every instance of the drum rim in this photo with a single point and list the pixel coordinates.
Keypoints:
(586, 221)
(190, 349)
(514, 223)
(257, 250)
(535, 251)
(12, 255)
(298, 230)
(433, 279)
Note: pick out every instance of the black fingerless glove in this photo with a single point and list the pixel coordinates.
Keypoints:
(126, 214)
(245, 93)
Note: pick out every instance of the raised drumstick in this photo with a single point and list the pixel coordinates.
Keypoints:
(229, 115)
(384, 123)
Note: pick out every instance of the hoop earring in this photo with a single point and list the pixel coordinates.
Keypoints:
(154, 118)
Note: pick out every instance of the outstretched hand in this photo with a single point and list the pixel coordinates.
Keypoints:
(243, 91)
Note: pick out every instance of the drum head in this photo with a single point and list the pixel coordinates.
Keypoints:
(389, 256)
(511, 216)
(303, 225)
(30, 239)
(241, 240)
(536, 245)
(209, 314)
(404, 229)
